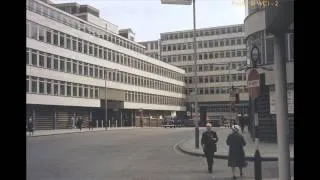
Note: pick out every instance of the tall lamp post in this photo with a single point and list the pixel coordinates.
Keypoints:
(189, 2)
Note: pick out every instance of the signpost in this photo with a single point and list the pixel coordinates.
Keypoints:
(254, 92)
(253, 83)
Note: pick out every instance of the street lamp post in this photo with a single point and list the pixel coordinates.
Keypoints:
(105, 99)
(188, 2)
(195, 75)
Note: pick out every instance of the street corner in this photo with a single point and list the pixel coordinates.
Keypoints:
(184, 147)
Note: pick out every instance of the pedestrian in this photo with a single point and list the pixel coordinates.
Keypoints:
(80, 123)
(90, 125)
(30, 126)
(236, 144)
(209, 146)
(241, 123)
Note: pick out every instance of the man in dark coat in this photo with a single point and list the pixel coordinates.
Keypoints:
(236, 157)
(241, 123)
(208, 142)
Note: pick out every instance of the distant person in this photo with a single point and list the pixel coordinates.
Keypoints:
(90, 125)
(80, 123)
(141, 124)
(236, 157)
(30, 126)
(209, 146)
(241, 123)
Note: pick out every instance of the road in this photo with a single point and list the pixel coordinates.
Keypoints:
(136, 154)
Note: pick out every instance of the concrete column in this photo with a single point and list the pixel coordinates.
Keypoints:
(90, 116)
(132, 114)
(121, 118)
(281, 108)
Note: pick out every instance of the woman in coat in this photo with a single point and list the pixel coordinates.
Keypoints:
(30, 126)
(236, 144)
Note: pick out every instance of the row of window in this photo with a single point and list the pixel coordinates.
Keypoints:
(206, 32)
(217, 78)
(226, 108)
(81, 25)
(153, 45)
(205, 56)
(204, 44)
(215, 67)
(45, 86)
(44, 34)
(153, 55)
(217, 90)
(138, 97)
(62, 64)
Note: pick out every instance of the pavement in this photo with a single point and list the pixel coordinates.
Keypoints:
(70, 131)
(268, 151)
(136, 154)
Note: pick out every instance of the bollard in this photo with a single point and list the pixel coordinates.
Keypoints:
(116, 123)
(102, 123)
(96, 123)
(109, 123)
(257, 166)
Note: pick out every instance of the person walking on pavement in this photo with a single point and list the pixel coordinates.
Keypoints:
(236, 144)
(30, 126)
(80, 123)
(209, 146)
(241, 123)
(90, 125)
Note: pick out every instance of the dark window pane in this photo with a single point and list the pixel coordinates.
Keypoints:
(68, 90)
(62, 89)
(41, 60)
(49, 37)
(49, 63)
(34, 86)
(49, 89)
(34, 59)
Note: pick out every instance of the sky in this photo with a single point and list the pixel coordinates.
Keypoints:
(149, 18)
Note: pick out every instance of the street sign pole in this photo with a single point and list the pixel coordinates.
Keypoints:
(254, 92)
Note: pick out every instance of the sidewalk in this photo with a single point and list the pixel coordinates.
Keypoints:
(69, 131)
(268, 151)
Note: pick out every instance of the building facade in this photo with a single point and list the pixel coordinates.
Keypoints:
(74, 65)
(257, 34)
(221, 52)
(153, 48)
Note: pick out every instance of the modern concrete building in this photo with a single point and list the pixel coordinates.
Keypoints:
(75, 60)
(260, 24)
(221, 52)
(153, 48)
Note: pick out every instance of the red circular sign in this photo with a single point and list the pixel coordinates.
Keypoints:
(253, 83)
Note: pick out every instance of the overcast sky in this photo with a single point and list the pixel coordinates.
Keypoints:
(149, 18)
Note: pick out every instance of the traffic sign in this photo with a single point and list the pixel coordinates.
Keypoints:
(253, 83)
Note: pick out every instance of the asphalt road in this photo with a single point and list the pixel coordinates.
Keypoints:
(136, 154)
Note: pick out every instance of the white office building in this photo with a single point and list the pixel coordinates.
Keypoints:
(74, 58)
(221, 52)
